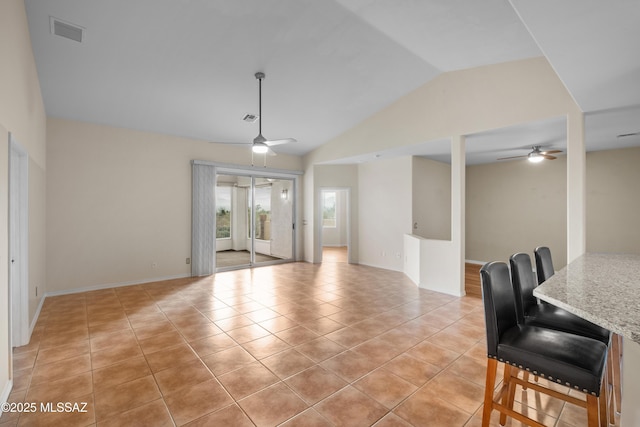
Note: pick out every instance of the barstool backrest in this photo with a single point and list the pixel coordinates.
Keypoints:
(544, 264)
(523, 284)
(499, 307)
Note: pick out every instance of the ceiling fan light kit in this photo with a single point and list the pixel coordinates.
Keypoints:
(534, 157)
(259, 147)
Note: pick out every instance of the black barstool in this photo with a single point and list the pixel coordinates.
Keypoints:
(544, 263)
(568, 359)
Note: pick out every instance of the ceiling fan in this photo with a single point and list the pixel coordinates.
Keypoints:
(260, 144)
(536, 155)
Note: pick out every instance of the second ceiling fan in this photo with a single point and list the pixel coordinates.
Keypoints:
(536, 155)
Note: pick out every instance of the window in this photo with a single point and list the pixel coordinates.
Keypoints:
(329, 209)
(223, 212)
(263, 212)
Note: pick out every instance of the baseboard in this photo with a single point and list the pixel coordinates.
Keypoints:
(4, 397)
(471, 261)
(115, 285)
(36, 315)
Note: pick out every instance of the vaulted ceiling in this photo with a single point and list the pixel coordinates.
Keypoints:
(186, 67)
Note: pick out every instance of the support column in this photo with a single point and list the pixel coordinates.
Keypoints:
(576, 187)
(458, 169)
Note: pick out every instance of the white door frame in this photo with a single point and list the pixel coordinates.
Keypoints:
(18, 244)
(318, 248)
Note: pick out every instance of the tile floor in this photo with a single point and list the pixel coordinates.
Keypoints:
(291, 344)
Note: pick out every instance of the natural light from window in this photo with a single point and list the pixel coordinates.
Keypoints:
(329, 209)
(223, 212)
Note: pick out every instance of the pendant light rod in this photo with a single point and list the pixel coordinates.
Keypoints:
(260, 76)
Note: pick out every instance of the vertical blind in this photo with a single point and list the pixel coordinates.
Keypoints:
(203, 213)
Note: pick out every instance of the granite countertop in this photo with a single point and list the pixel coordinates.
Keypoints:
(602, 288)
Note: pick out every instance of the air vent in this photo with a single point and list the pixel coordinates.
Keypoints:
(250, 118)
(66, 30)
(624, 135)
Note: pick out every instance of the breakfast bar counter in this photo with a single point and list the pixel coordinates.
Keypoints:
(605, 289)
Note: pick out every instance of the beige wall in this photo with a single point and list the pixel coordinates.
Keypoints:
(119, 200)
(21, 113)
(515, 206)
(613, 201)
(431, 200)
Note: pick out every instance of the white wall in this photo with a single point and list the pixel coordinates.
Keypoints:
(21, 113)
(385, 211)
(119, 200)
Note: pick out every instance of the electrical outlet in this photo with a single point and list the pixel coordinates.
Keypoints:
(188, 260)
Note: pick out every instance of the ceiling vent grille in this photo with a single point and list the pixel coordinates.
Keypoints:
(66, 30)
(250, 118)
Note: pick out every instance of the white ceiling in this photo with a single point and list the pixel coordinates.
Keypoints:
(186, 67)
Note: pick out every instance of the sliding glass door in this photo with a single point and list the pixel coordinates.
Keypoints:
(254, 220)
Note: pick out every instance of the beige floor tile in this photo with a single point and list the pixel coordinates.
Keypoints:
(229, 416)
(287, 363)
(272, 405)
(315, 383)
(351, 407)
(125, 396)
(385, 387)
(174, 380)
(150, 414)
(197, 401)
(247, 380)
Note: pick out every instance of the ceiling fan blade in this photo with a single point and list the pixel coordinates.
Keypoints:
(548, 157)
(513, 157)
(271, 153)
(551, 152)
(230, 143)
(273, 142)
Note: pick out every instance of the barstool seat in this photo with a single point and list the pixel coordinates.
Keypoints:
(564, 358)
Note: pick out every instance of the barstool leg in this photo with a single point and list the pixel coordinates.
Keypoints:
(592, 411)
(507, 401)
(616, 360)
(492, 369)
(603, 400)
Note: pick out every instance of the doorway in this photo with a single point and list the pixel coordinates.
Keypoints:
(254, 220)
(18, 243)
(334, 224)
